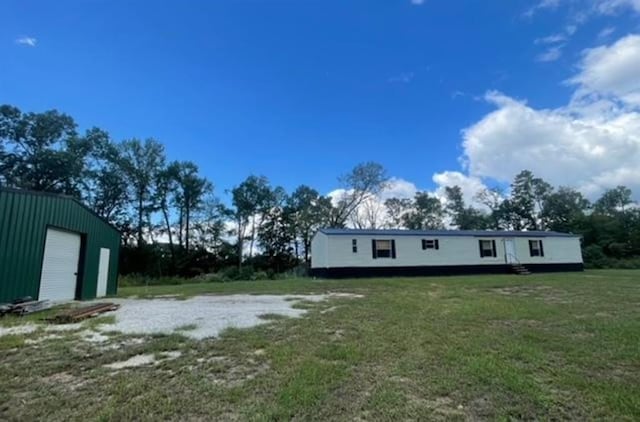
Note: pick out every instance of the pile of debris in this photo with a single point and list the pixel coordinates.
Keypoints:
(24, 305)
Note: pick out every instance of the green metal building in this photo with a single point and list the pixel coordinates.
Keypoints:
(53, 247)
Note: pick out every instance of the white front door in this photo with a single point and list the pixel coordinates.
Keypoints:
(510, 251)
(103, 272)
(60, 265)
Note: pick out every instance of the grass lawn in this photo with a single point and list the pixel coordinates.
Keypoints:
(555, 346)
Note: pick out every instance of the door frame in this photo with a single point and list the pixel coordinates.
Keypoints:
(81, 258)
(513, 252)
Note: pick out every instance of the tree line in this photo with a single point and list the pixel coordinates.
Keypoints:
(172, 223)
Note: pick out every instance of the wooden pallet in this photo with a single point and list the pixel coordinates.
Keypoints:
(79, 314)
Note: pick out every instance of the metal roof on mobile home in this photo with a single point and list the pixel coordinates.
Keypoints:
(443, 233)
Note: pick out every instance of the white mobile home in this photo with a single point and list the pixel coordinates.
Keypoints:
(367, 253)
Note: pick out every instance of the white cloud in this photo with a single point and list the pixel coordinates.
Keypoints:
(399, 188)
(586, 7)
(605, 32)
(578, 12)
(404, 77)
(551, 54)
(614, 6)
(555, 43)
(541, 5)
(551, 39)
(611, 70)
(470, 185)
(592, 144)
(27, 41)
(571, 29)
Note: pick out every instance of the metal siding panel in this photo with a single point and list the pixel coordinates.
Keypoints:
(31, 248)
(16, 248)
(453, 250)
(6, 288)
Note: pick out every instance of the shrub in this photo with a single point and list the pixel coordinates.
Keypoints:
(262, 275)
(594, 257)
(245, 273)
(141, 280)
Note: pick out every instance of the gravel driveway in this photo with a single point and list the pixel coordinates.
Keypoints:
(210, 315)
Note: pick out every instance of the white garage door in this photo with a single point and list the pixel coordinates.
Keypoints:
(103, 272)
(60, 265)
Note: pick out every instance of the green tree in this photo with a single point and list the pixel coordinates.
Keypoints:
(365, 181)
(310, 211)
(462, 216)
(166, 186)
(396, 208)
(141, 164)
(520, 208)
(564, 209)
(189, 196)
(275, 233)
(250, 200)
(427, 213)
(493, 199)
(41, 151)
(541, 192)
(104, 186)
(614, 201)
(209, 224)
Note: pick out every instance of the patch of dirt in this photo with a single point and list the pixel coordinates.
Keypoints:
(93, 336)
(346, 295)
(517, 323)
(144, 359)
(132, 362)
(238, 375)
(64, 327)
(212, 359)
(402, 380)
(443, 408)
(123, 343)
(43, 339)
(331, 309)
(335, 335)
(173, 354)
(18, 329)
(546, 293)
(582, 335)
(232, 372)
(481, 408)
(66, 380)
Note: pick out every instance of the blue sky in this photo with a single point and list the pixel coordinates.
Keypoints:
(301, 91)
